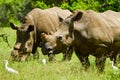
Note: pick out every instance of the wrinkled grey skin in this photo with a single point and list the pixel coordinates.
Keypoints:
(90, 33)
(28, 34)
(54, 48)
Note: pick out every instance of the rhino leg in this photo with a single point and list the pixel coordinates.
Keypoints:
(51, 57)
(113, 56)
(25, 57)
(83, 58)
(67, 55)
(36, 55)
(85, 62)
(100, 63)
(101, 55)
(35, 52)
(118, 58)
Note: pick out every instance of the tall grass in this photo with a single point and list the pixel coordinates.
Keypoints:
(58, 70)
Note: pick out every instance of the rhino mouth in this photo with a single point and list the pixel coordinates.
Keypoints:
(19, 56)
(47, 50)
(51, 52)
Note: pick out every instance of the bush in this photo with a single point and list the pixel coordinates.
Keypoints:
(16, 10)
(85, 5)
(65, 6)
(39, 4)
(11, 10)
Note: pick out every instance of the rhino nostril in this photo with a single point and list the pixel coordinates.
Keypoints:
(49, 49)
(25, 49)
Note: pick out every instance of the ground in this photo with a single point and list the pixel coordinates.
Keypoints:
(59, 70)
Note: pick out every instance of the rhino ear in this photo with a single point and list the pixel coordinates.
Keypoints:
(30, 28)
(13, 26)
(60, 17)
(77, 16)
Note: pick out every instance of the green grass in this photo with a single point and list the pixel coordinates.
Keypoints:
(60, 70)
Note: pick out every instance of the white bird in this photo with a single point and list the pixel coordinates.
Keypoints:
(10, 69)
(44, 61)
(113, 66)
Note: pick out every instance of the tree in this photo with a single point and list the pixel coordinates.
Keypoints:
(16, 10)
(11, 9)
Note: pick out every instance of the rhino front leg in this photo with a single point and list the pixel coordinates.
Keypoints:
(83, 58)
(100, 63)
(67, 55)
(51, 57)
(85, 62)
(113, 56)
(101, 55)
(35, 52)
(36, 55)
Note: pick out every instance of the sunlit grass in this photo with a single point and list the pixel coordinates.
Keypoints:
(58, 70)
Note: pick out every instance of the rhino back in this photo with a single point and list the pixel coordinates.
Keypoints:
(101, 26)
(64, 13)
(46, 20)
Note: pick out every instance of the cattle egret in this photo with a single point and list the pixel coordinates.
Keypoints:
(113, 66)
(44, 61)
(10, 69)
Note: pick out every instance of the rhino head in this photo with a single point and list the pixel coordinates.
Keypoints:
(58, 41)
(24, 42)
(63, 37)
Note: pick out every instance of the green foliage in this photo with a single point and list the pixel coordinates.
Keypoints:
(39, 4)
(65, 5)
(78, 5)
(16, 10)
(110, 5)
(11, 9)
